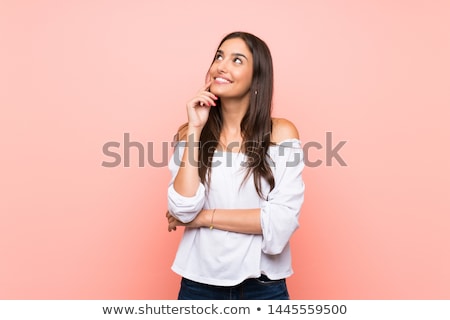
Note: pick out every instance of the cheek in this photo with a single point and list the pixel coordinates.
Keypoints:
(246, 78)
(213, 68)
(208, 75)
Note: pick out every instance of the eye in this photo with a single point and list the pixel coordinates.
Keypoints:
(219, 56)
(237, 60)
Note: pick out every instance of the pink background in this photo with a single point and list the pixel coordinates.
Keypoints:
(77, 74)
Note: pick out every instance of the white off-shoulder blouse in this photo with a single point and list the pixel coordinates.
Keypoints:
(225, 258)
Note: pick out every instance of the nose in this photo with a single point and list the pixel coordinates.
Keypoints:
(222, 66)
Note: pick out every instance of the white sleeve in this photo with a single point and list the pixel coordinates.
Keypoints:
(183, 208)
(280, 213)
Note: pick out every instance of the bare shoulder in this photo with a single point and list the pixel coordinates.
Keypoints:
(283, 129)
(181, 133)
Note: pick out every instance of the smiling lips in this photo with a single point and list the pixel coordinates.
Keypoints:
(221, 80)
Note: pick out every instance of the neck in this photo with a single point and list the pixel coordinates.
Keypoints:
(233, 111)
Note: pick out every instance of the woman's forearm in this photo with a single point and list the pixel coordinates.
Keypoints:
(236, 220)
(187, 180)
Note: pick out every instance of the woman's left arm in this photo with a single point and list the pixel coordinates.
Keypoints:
(280, 213)
(241, 221)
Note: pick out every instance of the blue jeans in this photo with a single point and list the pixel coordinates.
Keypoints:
(261, 288)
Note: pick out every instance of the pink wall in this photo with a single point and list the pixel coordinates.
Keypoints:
(78, 74)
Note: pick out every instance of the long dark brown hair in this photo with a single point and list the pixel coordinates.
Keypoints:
(256, 125)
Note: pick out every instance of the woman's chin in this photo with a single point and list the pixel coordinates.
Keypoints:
(216, 92)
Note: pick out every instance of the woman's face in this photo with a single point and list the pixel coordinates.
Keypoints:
(232, 70)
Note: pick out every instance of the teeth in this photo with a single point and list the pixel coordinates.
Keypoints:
(222, 80)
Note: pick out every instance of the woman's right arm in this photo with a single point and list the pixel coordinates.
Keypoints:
(186, 193)
(187, 179)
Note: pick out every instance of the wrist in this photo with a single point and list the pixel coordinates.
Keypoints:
(211, 220)
(207, 218)
(194, 130)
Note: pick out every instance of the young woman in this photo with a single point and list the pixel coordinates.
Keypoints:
(236, 182)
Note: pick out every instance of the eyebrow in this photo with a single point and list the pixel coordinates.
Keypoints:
(234, 54)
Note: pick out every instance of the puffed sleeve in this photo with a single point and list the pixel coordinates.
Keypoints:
(183, 208)
(280, 212)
